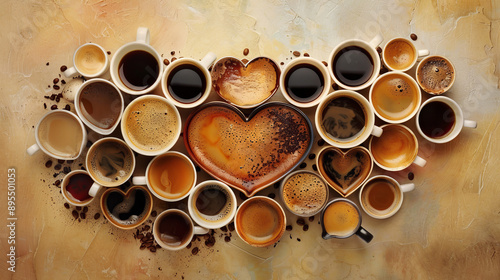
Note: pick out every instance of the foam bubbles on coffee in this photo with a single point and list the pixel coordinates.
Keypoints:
(304, 193)
(436, 75)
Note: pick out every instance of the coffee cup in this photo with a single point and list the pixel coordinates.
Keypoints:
(90, 60)
(127, 210)
(382, 196)
(173, 229)
(395, 97)
(212, 204)
(170, 176)
(435, 74)
(440, 120)
(260, 221)
(304, 193)
(75, 188)
(341, 219)
(99, 104)
(400, 54)
(355, 64)
(305, 81)
(136, 66)
(110, 163)
(151, 125)
(345, 119)
(59, 134)
(396, 149)
(186, 82)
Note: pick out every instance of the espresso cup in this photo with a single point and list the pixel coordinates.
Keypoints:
(400, 54)
(355, 64)
(435, 74)
(212, 204)
(75, 188)
(136, 66)
(170, 176)
(110, 163)
(304, 193)
(99, 104)
(440, 120)
(341, 219)
(305, 81)
(395, 97)
(396, 149)
(260, 221)
(59, 134)
(173, 229)
(382, 196)
(90, 60)
(150, 125)
(127, 210)
(345, 119)
(186, 82)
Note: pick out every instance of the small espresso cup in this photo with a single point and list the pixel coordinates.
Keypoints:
(75, 188)
(395, 97)
(151, 125)
(341, 219)
(89, 60)
(187, 82)
(260, 221)
(170, 176)
(59, 134)
(127, 210)
(136, 66)
(212, 204)
(305, 81)
(304, 193)
(110, 163)
(173, 229)
(435, 74)
(400, 54)
(396, 149)
(345, 119)
(355, 64)
(99, 104)
(440, 120)
(382, 196)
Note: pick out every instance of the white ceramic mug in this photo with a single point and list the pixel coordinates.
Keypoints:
(90, 60)
(400, 54)
(85, 184)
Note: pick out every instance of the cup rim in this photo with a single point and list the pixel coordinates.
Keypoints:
(394, 210)
(311, 62)
(157, 224)
(413, 112)
(425, 59)
(64, 184)
(322, 217)
(106, 61)
(131, 144)
(415, 52)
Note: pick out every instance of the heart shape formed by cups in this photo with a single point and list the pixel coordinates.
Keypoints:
(127, 210)
(345, 171)
(251, 153)
(245, 85)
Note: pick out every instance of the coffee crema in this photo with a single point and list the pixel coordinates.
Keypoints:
(399, 54)
(171, 176)
(436, 119)
(101, 104)
(186, 83)
(343, 118)
(127, 210)
(304, 193)
(174, 229)
(353, 66)
(380, 196)
(110, 162)
(435, 74)
(341, 219)
(304, 83)
(138, 70)
(61, 134)
(395, 148)
(90, 60)
(213, 203)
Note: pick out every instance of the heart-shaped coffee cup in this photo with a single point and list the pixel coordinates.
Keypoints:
(127, 210)
(245, 85)
(345, 171)
(248, 153)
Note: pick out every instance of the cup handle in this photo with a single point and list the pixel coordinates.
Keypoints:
(208, 59)
(70, 72)
(422, 53)
(377, 131)
(143, 35)
(364, 234)
(407, 187)
(94, 189)
(139, 180)
(471, 124)
(420, 161)
(33, 149)
(199, 230)
(376, 41)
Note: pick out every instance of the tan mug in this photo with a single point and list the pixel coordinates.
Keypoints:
(400, 54)
(89, 60)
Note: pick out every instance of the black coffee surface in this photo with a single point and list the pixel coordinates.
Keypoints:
(138, 70)
(436, 119)
(186, 83)
(304, 83)
(353, 66)
(211, 201)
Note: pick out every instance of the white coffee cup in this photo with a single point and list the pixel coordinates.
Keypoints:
(90, 60)
(67, 194)
(400, 54)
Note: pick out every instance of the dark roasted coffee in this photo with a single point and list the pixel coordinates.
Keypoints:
(127, 210)
(436, 119)
(211, 201)
(186, 83)
(353, 66)
(101, 104)
(138, 70)
(79, 186)
(343, 118)
(174, 229)
(304, 83)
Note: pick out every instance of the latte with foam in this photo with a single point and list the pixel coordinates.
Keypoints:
(90, 60)
(61, 134)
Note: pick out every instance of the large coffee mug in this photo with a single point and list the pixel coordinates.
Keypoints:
(341, 219)
(355, 64)
(400, 54)
(440, 120)
(173, 229)
(381, 196)
(89, 60)
(59, 134)
(75, 188)
(136, 67)
(345, 119)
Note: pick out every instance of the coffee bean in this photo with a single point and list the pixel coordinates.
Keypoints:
(298, 239)
(271, 195)
(55, 81)
(142, 247)
(246, 51)
(166, 62)
(66, 205)
(306, 55)
(82, 215)
(296, 53)
(195, 251)
(152, 249)
(146, 227)
(66, 170)
(172, 53)
(57, 183)
(227, 238)
(154, 213)
(223, 229)
(282, 63)
(311, 219)
(108, 52)
(63, 68)
(78, 208)
(44, 106)
(75, 214)
(315, 168)
(300, 222)
(97, 216)
(189, 245)
(67, 107)
(53, 107)
(173, 59)
(379, 49)
(411, 176)
(244, 60)
(140, 236)
(48, 164)
(63, 82)
(312, 156)
(305, 227)
(413, 36)
(47, 64)
(303, 165)
(231, 226)
(56, 87)
(276, 185)
(85, 209)
(321, 142)
(289, 228)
